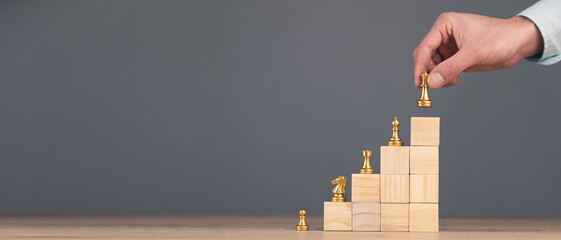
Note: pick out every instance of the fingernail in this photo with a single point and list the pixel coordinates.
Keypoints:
(436, 80)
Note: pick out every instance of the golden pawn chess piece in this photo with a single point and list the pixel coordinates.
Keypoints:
(339, 190)
(302, 225)
(395, 140)
(424, 100)
(366, 167)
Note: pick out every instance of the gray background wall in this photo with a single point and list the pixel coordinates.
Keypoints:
(253, 107)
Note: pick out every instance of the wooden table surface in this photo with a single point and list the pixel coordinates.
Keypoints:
(112, 226)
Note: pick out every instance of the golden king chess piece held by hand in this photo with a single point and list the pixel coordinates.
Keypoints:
(424, 100)
(339, 190)
(302, 225)
(366, 167)
(395, 140)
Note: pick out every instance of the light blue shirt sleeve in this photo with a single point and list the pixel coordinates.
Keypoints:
(546, 14)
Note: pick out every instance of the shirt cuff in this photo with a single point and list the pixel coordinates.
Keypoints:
(544, 15)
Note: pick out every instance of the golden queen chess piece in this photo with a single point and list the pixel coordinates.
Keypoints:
(366, 167)
(395, 140)
(302, 225)
(424, 100)
(339, 190)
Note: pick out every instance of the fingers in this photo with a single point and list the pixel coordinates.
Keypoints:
(436, 59)
(446, 73)
(453, 82)
(424, 52)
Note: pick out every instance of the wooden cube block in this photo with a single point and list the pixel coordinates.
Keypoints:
(425, 131)
(394, 160)
(337, 216)
(365, 188)
(394, 188)
(394, 217)
(424, 188)
(423, 217)
(366, 217)
(423, 160)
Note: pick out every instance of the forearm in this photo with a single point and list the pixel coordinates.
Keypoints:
(546, 15)
(530, 42)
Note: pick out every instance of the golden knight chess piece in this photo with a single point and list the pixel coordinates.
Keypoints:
(339, 190)
(366, 167)
(424, 100)
(302, 225)
(395, 140)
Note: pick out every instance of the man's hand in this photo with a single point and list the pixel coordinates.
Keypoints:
(460, 42)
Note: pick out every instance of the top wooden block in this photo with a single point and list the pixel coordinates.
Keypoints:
(425, 131)
(337, 216)
(394, 160)
(365, 188)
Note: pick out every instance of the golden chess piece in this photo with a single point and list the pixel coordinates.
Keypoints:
(302, 225)
(424, 100)
(339, 190)
(366, 167)
(395, 140)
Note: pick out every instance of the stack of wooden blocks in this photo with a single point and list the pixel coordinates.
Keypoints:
(404, 196)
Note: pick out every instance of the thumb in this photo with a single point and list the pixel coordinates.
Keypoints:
(446, 73)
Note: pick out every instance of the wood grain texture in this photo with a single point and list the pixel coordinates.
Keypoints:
(423, 217)
(425, 131)
(394, 188)
(394, 160)
(337, 216)
(423, 160)
(365, 188)
(394, 217)
(255, 226)
(366, 217)
(423, 188)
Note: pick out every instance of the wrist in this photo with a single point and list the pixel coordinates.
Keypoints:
(531, 41)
